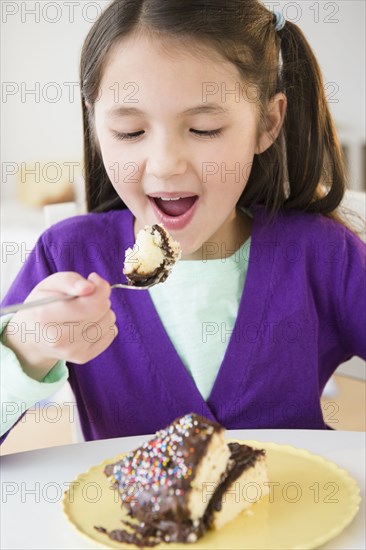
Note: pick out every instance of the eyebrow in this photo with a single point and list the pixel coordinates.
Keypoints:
(208, 108)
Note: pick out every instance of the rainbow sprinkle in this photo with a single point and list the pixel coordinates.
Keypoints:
(165, 464)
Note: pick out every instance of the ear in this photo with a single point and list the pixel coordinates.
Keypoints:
(87, 105)
(275, 117)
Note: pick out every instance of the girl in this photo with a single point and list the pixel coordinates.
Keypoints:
(213, 121)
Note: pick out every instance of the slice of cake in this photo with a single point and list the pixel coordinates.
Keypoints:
(152, 257)
(179, 484)
(246, 482)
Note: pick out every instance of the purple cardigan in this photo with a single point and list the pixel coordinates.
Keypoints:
(302, 313)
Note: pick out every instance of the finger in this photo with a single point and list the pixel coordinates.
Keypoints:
(94, 330)
(75, 339)
(100, 283)
(90, 329)
(87, 307)
(97, 347)
(67, 282)
(79, 310)
(97, 305)
(108, 320)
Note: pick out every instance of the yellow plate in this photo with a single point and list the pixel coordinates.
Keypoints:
(311, 500)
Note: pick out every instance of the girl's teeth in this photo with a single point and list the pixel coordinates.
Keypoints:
(166, 199)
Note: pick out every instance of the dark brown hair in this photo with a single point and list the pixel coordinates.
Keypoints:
(304, 168)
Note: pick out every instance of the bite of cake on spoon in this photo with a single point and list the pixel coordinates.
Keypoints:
(152, 258)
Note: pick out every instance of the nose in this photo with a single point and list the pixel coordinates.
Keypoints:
(166, 158)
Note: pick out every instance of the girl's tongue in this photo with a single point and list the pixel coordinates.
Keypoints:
(175, 207)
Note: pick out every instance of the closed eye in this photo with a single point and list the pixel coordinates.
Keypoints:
(125, 137)
(207, 133)
(121, 136)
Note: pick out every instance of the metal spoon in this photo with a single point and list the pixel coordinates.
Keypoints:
(143, 284)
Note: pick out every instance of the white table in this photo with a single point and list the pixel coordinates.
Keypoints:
(33, 482)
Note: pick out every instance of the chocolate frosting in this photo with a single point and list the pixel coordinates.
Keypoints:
(242, 457)
(154, 480)
(154, 483)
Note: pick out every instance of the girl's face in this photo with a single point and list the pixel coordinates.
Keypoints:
(177, 136)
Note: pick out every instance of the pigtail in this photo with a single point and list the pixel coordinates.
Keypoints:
(315, 166)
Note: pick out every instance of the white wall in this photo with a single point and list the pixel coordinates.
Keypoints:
(36, 50)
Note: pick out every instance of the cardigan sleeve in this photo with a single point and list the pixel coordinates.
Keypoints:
(19, 392)
(352, 296)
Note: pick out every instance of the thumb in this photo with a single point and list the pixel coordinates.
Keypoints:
(68, 282)
(82, 287)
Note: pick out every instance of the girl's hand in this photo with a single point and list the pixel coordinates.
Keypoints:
(75, 330)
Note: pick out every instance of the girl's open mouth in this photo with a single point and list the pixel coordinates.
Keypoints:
(174, 212)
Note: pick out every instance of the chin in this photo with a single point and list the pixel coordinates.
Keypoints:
(190, 249)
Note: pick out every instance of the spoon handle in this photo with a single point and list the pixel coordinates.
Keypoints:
(44, 301)
(27, 305)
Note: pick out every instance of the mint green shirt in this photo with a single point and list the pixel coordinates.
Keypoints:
(198, 305)
(18, 391)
